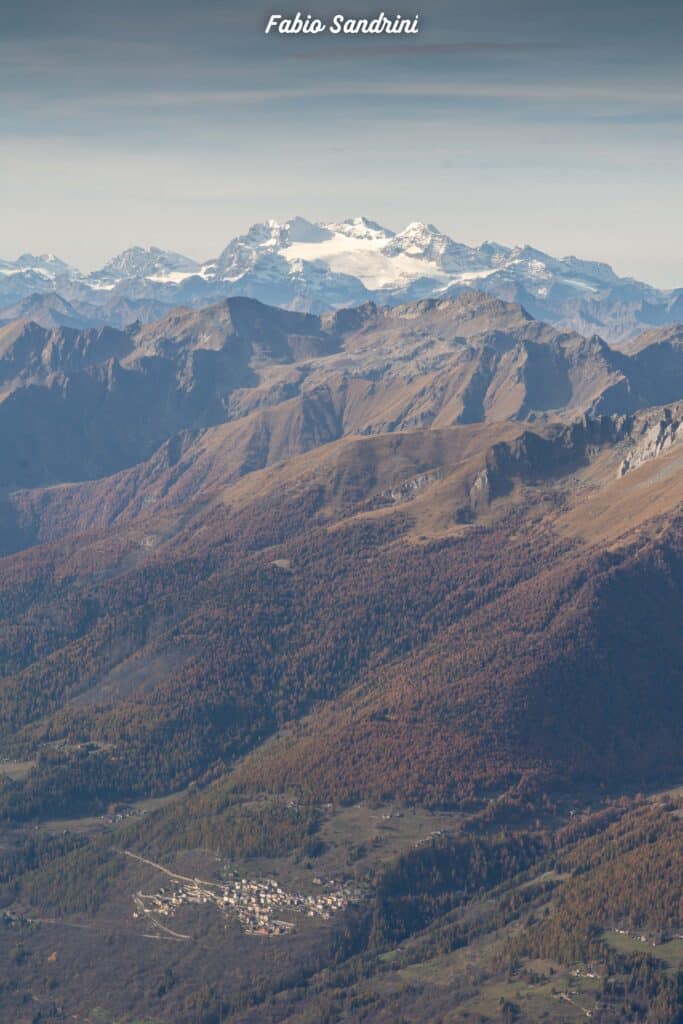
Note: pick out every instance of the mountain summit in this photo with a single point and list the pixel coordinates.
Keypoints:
(318, 267)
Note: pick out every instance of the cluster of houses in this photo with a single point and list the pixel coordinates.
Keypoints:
(255, 903)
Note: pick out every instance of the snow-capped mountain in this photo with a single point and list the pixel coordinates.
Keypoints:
(29, 270)
(319, 267)
(47, 264)
(138, 262)
(425, 242)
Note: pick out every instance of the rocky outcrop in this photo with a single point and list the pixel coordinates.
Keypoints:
(654, 437)
(532, 457)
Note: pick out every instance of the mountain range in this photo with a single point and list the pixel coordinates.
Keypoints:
(315, 268)
(270, 383)
(340, 661)
(241, 428)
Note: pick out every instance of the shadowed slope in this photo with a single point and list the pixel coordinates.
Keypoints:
(82, 405)
(434, 590)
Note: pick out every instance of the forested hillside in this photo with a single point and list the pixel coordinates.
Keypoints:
(358, 700)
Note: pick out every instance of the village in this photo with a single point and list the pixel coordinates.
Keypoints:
(255, 903)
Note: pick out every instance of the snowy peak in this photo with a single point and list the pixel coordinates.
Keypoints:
(416, 239)
(314, 267)
(526, 255)
(425, 242)
(589, 268)
(301, 230)
(343, 255)
(46, 265)
(362, 249)
(267, 233)
(146, 262)
(271, 235)
(418, 233)
(493, 252)
(243, 252)
(360, 228)
(46, 261)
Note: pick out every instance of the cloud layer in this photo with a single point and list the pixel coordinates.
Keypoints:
(179, 124)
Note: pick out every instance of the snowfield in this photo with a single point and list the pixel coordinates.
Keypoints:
(317, 267)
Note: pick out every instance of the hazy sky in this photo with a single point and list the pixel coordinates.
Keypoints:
(180, 123)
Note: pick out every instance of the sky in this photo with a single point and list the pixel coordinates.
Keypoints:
(179, 124)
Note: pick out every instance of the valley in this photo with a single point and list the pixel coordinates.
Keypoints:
(340, 669)
(465, 956)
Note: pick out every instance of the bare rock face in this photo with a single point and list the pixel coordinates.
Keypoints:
(654, 438)
(533, 457)
(480, 492)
